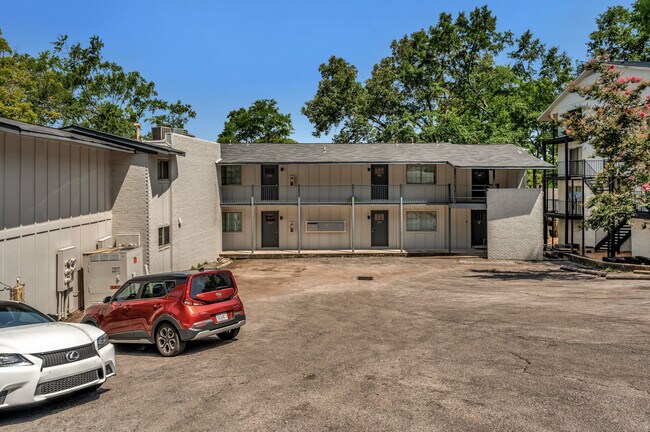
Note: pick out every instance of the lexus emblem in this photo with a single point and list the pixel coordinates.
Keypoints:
(72, 356)
(218, 294)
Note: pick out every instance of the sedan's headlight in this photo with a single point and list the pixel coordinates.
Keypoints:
(13, 360)
(102, 341)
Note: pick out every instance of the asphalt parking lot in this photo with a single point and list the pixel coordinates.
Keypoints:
(429, 344)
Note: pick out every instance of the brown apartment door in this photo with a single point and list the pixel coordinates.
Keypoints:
(270, 229)
(379, 182)
(269, 182)
(379, 228)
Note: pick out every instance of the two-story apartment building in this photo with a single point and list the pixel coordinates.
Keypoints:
(567, 187)
(433, 197)
(66, 192)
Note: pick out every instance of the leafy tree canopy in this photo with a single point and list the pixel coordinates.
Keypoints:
(445, 84)
(614, 121)
(622, 34)
(261, 122)
(73, 84)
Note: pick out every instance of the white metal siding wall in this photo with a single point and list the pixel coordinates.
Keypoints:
(53, 195)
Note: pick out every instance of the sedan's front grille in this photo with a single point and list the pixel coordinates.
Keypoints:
(67, 383)
(55, 358)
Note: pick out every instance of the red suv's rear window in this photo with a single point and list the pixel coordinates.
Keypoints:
(209, 282)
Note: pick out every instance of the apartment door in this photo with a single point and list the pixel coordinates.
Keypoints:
(379, 182)
(480, 182)
(270, 229)
(479, 228)
(270, 182)
(379, 228)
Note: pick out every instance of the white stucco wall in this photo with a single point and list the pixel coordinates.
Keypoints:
(640, 241)
(515, 218)
(195, 203)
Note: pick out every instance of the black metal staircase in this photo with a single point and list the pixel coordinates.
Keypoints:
(622, 233)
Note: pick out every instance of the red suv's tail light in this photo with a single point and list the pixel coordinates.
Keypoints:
(190, 302)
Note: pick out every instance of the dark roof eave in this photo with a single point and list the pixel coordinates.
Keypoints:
(71, 139)
(136, 145)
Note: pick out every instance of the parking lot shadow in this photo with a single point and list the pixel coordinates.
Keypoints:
(18, 415)
(149, 350)
(527, 274)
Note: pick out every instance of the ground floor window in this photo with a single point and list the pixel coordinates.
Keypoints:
(163, 236)
(421, 221)
(232, 222)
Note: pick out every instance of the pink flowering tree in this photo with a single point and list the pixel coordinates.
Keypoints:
(614, 120)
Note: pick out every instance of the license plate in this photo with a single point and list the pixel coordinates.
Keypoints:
(222, 317)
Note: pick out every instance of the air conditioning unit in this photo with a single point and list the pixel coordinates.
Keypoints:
(158, 132)
(105, 242)
(106, 270)
(127, 240)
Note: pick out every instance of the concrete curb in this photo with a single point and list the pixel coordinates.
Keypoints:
(627, 276)
(584, 271)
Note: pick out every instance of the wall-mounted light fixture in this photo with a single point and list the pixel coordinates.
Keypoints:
(292, 180)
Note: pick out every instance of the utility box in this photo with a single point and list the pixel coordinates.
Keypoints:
(105, 270)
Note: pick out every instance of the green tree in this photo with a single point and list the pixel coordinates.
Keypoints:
(615, 122)
(261, 122)
(622, 33)
(444, 84)
(76, 85)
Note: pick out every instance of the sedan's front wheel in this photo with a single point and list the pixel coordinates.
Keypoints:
(168, 341)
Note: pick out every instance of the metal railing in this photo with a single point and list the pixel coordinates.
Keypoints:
(337, 194)
(640, 209)
(561, 207)
(473, 194)
(580, 168)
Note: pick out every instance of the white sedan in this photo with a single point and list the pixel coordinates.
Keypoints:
(41, 358)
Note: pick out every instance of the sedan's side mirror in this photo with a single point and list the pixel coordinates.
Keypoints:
(107, 299)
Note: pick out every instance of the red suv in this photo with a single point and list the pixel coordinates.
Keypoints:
(170, 309)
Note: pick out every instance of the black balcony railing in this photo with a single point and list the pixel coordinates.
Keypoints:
(642, 210)
(579, 168)
(341, 194)
(569, 208)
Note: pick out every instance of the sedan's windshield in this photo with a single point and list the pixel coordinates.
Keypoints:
(12, 315)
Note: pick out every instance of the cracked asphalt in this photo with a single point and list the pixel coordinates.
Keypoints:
(430, 344)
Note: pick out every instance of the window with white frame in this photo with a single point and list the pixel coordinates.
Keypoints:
(420, 174)
(163, 169)
(163, 236)
(421, 221)
(230, 175)
(231, 222)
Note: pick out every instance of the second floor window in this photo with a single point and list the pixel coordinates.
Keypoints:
(421, 174)
(163, 236)
(231, 175)
(163, 169)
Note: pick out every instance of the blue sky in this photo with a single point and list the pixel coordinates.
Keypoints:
(223, 55)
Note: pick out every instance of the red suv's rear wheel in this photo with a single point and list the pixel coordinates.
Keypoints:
(168, 340)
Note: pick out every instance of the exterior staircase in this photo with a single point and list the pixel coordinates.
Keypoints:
(622, 233)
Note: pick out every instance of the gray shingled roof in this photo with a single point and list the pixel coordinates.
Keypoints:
(458, 155)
